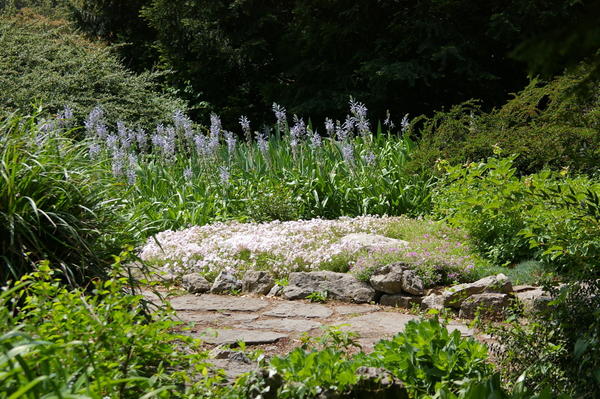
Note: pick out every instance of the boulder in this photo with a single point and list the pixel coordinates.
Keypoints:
(487, 305)
(534, 301)
(396, 278)
(194, 283)
(341, 286)
(401, 301)
(258, 282)
(225, 282)
(412, 283)
(454, 296)
(433, 301)
(372, 242)
(276, 290)
(388, 278)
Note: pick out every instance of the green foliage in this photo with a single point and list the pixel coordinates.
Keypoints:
(54, 204)
(104, 343)
(317, 296)
(44, 61)
(426, 357)
(546, 216)
(279, 184)
(545, 123)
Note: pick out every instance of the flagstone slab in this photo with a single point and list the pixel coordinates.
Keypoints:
(283, 324)
(234, 335)
(222, 318)
(355, 309)
(378, 323)
(299, 309)
(218, 302)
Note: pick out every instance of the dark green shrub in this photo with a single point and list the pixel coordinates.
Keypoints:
(43, 61)
(546, 123)
(54, 204)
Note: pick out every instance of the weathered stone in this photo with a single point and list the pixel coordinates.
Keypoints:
(487, 305)
(377, 382)
(225, 282)
(372, 242)
(277, 290)
(388, 278)
(534, 301)
(341, 286)
(433, 301)
(355, 309)
(400, 301)
(378, 323)
(412, 283)
(454, 296)
(259, 282)
(464, 330)
(194, 283)
(307, 310)
(219, 318)
(218, 302)
(283, 324)
(523, 288)
(232, 336)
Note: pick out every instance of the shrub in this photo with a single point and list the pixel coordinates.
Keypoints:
(99, 344)
(547, 216)
(546, 123)
(44, 61)
(54, 204)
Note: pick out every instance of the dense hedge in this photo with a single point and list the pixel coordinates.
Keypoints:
(548, 124)
(43, 61)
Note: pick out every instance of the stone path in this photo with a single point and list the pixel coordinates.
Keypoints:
(275, 325)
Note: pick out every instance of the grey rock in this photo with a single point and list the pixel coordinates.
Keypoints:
(259, 282)
(523, 288)
(283, 324)
(307, 310)
(218, 318)
(372, 242)
(534, 301)
(412, 283)
(388, 278)
(233, 336)
(400, 301)
(355, 309)
(377, 324)
(194, 283)
(341, 286)
(487, 305)
(225, 282)
(433, 301)
(454, 296)
(277, 290)
(218, 302)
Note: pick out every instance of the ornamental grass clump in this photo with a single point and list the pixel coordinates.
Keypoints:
(54, 203)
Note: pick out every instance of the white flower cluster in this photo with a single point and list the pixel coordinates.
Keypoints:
(280, 247)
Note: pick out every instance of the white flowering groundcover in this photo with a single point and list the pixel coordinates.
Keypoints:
(283, 247)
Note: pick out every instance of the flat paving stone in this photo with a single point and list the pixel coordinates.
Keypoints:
(284, 324)
(298, 309)
(464, 330)
(231, 336)
(216, 317)
(355, 309)
(379, 323)
(218, 302)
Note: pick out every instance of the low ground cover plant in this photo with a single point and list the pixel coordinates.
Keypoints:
(317, 244)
